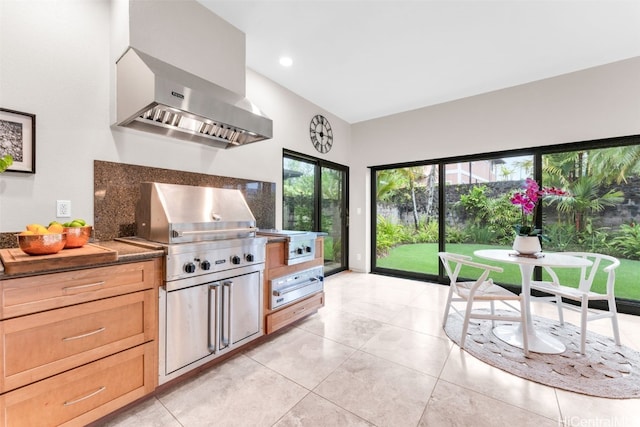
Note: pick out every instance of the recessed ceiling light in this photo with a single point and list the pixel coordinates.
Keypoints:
(285, 61)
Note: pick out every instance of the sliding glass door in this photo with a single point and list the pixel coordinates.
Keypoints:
(407, 216)
(465, 206)
(315, 198)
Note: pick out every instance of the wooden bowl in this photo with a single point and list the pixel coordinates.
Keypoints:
(42, 244)
(77, 237)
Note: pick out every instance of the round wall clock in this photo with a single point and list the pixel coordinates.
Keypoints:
(321, 133)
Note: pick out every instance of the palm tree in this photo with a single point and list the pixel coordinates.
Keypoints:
(583, 173)
(615, 163)
(431, 189)
(584, 200)
(413, 175)
(387, 181)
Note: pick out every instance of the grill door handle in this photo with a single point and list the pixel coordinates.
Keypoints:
(284, 291)
(225, 315)
(178, 233)
(213, 320)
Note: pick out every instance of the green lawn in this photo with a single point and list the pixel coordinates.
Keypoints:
(423, 258)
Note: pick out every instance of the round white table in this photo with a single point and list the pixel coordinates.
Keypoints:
(539, 341)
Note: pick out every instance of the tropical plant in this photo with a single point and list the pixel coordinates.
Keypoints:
(387, 182)
(492, 218)
(615, 164)
(584, 200)
(560, 237)
(476, 203)
(595, 239)
(428, 232)
(627, 242)
(388, 235)
(455, 234)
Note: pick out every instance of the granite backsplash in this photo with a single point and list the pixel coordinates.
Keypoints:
(117, 189)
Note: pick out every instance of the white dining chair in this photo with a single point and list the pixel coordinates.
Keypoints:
(480, 290)
(582, 293)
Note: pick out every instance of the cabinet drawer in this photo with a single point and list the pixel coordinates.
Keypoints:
(44, 344)
(84, 394)
(27, 295)
(290, 314)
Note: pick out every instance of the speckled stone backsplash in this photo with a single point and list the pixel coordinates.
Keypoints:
(117, 189)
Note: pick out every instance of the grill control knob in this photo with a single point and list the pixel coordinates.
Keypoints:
(205, 265)
(300, 251)
(249, 257)
(235, 260)
(308, 249)
(189, 267)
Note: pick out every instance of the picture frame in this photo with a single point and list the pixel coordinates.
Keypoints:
(18, 138)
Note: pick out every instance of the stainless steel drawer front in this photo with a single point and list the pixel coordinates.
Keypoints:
(287, 289)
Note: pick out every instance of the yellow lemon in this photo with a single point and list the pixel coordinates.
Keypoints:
(33, 227)
(27, 233)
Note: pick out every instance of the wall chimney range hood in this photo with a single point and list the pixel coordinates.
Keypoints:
(157, 97)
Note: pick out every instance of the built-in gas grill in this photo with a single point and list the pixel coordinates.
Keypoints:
(211, 299)
(300, 245)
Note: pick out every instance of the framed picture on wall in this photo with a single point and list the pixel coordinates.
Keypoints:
(18, 139)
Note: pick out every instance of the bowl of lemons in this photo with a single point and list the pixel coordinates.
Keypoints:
(78, 233)
(40, 240)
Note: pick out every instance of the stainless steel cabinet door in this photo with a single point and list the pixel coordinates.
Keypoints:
(246, 306)
(187, 326)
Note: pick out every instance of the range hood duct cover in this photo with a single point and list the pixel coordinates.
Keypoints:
(157, 97)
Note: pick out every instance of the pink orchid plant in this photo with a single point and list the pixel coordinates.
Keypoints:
(528, 201)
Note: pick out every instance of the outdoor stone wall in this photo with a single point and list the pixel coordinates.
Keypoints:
(400, 209)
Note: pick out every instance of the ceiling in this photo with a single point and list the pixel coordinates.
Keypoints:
(366, 59)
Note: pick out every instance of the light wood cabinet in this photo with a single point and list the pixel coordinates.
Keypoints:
(82, 395)
(277, 267)
(32, 294)
(78, 345)
(287, 315)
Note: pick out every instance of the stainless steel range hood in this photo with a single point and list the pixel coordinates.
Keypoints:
(157, 97)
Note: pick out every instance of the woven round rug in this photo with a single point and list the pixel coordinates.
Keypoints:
(606, 370)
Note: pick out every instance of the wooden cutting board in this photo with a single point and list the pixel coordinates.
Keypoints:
(15, 261)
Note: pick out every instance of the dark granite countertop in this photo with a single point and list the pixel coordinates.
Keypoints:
(276, 238)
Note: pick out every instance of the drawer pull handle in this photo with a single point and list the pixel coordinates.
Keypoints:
(72, 402)
(97, 331)
(88, 285)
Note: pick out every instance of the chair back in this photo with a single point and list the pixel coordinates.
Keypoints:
(607, 263)
(453, 263)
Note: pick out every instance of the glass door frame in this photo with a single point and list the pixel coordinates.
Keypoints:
(319, 164)
(624, 305)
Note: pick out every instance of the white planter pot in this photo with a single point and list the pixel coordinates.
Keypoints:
(527, 245)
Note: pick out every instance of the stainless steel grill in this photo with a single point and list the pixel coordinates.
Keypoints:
(300, 245)
(211, 300)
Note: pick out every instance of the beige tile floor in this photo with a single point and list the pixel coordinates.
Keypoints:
(376, 355)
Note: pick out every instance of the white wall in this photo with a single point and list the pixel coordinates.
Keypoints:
(56, 61)
(596, 103)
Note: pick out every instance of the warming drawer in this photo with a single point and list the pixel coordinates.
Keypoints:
(293, 287)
